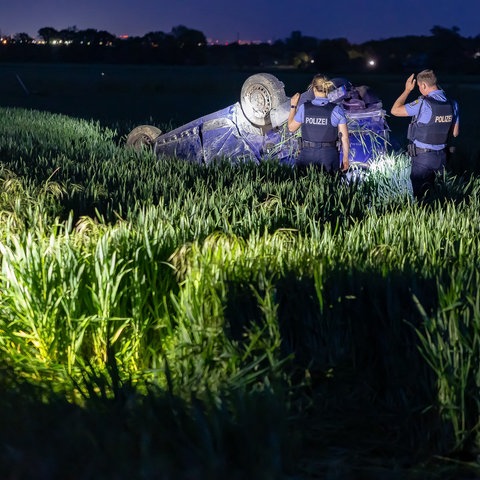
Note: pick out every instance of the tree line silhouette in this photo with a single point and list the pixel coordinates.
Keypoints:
(444, 49)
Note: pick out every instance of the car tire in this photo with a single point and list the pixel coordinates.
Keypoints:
(144, 135)
(260, 94)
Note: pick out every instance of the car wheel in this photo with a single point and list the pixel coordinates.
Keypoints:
(260, 94)
(143, 135)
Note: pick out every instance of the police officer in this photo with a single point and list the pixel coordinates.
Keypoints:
(434, 121)
(323, 123)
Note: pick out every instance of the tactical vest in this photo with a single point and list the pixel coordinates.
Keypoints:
(317, 124)
(436, 130)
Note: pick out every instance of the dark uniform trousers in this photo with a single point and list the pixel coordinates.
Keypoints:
(425, 165)
(326, 157)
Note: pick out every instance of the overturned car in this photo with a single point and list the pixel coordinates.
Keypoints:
(255, 128)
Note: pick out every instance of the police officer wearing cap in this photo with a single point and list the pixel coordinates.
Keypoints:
(323, 123)
(434, 121)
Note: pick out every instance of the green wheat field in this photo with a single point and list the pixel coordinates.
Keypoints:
(161, 319)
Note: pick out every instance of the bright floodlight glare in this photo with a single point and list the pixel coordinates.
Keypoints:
(382, 163)
(390, 172)
(371, 62)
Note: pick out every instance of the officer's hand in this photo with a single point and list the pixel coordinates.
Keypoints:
(345, 165)
(410, 83)
(294, 100)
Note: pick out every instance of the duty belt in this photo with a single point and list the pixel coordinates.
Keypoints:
(307, 143)
(413, 150)
(426, 150)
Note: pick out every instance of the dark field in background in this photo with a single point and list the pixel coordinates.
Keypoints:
(122, 96)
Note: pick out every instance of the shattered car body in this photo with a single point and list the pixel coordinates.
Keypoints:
(255, 128)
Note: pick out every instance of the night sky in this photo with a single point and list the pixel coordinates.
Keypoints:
(254, 20)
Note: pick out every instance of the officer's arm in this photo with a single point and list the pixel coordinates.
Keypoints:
(398, 108)
(456, 127)
(292, 124)
(345, 141)
(456, 130)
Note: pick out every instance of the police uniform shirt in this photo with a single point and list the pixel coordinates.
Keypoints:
(413, 109)
(337, 118)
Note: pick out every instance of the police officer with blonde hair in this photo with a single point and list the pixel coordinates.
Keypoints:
(323, 124)
(434, 121)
